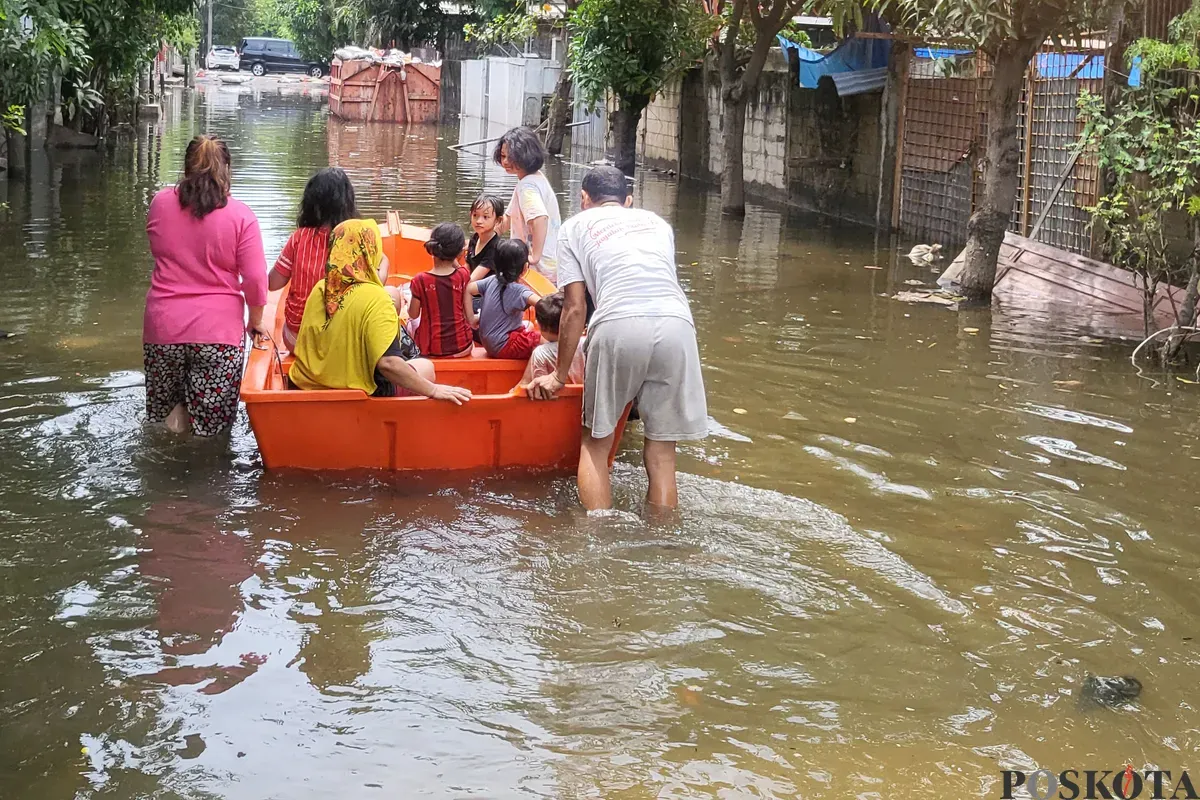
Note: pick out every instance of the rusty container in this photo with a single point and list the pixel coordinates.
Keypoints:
(375, 91)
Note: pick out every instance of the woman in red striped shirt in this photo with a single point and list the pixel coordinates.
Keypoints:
(328, 202)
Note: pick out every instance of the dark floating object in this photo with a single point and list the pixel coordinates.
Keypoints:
(1109, 692)
(6, 334)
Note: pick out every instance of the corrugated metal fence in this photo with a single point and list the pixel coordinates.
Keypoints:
(944, 126)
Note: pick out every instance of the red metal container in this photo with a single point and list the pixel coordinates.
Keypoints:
(371, 90)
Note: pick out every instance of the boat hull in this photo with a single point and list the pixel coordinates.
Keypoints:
(499, 429)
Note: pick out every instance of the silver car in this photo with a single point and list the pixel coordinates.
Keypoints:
(222, 57)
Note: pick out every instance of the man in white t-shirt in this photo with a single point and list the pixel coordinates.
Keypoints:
(641, 340)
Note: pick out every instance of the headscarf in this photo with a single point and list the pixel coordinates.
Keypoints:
(349, 320)
(355, 253)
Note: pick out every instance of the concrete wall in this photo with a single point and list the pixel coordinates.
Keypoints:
(765, 156)
(658, 134)
(833, 153)
(806, 148)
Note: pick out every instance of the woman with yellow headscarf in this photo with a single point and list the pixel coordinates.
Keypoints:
(350, 334)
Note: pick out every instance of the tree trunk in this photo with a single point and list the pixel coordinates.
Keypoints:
(1002, 156)
(624, 131)
(733, 135)
(560, 113)
(560, 104)
(738, 85)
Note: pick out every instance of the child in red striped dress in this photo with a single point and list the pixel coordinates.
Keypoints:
(437, 320)
(328, 202)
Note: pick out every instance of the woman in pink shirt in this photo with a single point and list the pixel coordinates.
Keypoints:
(208, 266)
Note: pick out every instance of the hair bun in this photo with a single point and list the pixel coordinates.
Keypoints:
(431, 247)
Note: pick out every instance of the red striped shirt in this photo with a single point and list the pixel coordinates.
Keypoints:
(302, 261)
(444, 330)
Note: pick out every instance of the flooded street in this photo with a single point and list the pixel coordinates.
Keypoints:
(911, 536)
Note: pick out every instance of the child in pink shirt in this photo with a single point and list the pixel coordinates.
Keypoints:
(208, 266)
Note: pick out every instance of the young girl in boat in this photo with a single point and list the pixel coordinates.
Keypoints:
(487, 212)
(328, 202)
(437, 318)
(500, 320)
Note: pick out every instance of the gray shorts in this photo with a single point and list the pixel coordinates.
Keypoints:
(655, 360)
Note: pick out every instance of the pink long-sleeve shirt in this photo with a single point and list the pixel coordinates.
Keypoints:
(203, 268)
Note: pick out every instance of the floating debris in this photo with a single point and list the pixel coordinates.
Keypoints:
(925, 253)
(937, 297)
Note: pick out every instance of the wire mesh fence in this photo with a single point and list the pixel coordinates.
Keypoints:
(939, 134)
(943, 138)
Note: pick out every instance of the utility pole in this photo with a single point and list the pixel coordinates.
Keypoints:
(210, 42)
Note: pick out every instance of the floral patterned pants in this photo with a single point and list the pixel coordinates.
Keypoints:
(204, 377)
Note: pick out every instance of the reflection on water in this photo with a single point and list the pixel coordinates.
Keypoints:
(912, 534)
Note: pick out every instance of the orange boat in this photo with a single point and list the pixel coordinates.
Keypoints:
(346, 429)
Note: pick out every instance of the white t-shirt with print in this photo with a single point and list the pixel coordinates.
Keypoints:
(532, 198)
(626, 256)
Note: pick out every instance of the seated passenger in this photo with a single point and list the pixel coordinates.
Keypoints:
(545, 356)
(487, 212)
(436, 318)
(350, 336)
(328, 201)
(500, 320)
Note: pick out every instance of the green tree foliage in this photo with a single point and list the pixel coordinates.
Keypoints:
(315, 28)
(237, 19)
(509, 27)
(96, 47)
(1149, 143)
(384, 23)
(633, 48)
(34, 42)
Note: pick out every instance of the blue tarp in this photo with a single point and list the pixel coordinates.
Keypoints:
(1050, 65)
(851, 55)
(939, 52)
(868, 54)
(1063, 65)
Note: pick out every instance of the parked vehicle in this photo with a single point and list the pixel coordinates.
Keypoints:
(263, 55)
(222, 56)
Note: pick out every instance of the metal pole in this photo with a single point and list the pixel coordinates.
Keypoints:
(210, 41)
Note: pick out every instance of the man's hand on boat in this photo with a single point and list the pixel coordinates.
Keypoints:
(546, 387)
(455, 394)
(417, 377)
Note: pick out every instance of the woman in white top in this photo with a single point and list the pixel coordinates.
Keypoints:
(533, 210)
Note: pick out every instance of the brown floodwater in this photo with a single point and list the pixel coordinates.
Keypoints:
(911, 535)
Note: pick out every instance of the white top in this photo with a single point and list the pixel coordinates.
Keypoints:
(545, 360)
(532, 198)
(626, 256)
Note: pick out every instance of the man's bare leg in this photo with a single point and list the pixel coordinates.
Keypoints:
(595, 483)
(659, 459)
